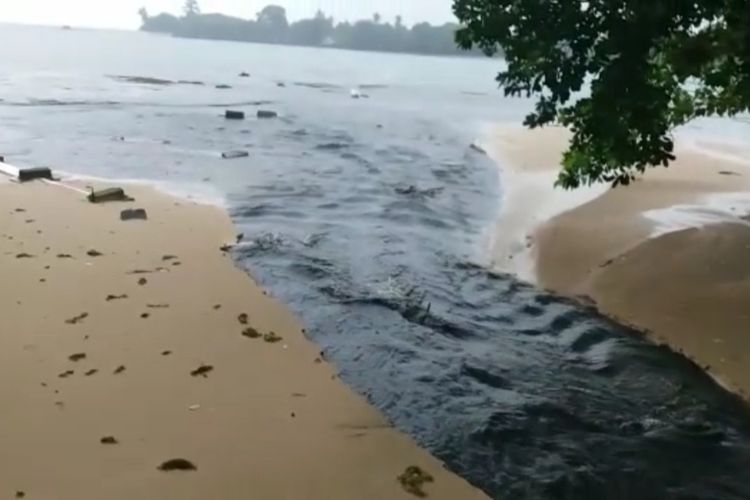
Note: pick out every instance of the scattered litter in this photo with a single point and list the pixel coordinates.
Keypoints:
(108, 440)
(244, 74)
(24, 256)
(66, 374)
(142, 281)
(243, 318)
(202, 371)
(77, 319)
(77, 357)
(413, 480)
(28, 174)
(177, 464)
(116, 297)
(166, 353)
(217, 307)
(169, 257)
(91, 372)
(194, 407)
(119, 369)
(145, 315)
(133, 214)
(64, 256)
(251, 333)
(94, 253)
(223, 86)
(157, 306)
(272, 338)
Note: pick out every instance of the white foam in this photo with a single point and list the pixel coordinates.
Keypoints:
(710, 209)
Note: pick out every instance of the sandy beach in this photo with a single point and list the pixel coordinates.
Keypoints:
(669, 255)
(127, 345)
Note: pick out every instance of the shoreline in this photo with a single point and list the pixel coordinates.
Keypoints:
(667, 256)
(144, 332)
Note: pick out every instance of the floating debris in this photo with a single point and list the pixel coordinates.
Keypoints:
(413, 480)
(202, 371)
(177, 464)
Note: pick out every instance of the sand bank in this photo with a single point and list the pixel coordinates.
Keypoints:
(134, 331)
(669, 255)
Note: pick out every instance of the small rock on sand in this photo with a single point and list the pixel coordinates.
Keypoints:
(243, 318)
(142, 281)
(272, 338)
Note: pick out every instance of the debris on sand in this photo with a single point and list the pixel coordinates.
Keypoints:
(77, 356)
(77, 319)
(119, 369)
(177, 464)
(251, 333)
(166, 353)
(110, 298)
(217, 307)
(133, 214)
(66, 374)
(24, 256)
(64, 256)
(91, 372)
(94, 253)
(108, 194)
(243, 318)
(142, 281)
(413, 480)
(157, 306)
(272, 338)
(169, 257)
(202, 371)
(145, 315)
(20, 494)
(108, 440)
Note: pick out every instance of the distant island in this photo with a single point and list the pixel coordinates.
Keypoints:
(271, 26)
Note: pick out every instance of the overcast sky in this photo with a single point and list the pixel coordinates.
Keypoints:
(123, 13)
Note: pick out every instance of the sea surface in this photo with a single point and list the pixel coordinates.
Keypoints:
(370, 217)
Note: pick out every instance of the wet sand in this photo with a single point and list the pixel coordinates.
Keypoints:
(669, 255)
(128, 344)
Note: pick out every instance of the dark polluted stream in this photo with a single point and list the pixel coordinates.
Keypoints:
(524, 394)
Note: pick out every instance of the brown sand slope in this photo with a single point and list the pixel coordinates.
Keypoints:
(690, 289)
(270, 421)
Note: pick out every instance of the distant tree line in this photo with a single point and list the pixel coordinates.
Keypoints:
(271, 26)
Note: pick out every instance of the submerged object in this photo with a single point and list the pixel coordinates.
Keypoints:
(230, 155)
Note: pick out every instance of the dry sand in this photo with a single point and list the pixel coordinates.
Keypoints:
(270, 421)
(669, 255)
